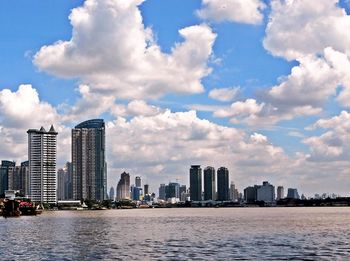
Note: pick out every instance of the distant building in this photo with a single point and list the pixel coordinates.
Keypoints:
(111, 193)
(293, 193)
(234, 195)
(42, 154)
(162, 192)
(6, 170)
(250, 194)
(123, 187)
(266, 192)
(138, 182)
(64, 182)
(136, 192)
(183, 189)
(209, 183)
(61, 182)
(223, 184)
(196, 183)
(172, 190)
(88, 159)
(280, 192)
(146, 189)
(18, 178)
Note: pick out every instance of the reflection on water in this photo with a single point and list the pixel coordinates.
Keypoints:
(179, 234)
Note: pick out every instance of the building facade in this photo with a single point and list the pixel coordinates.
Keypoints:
(42, 156)
(6, 170)
(162, 191)
(195, 183)
(88, 161)
(266, 192)
(111, 193)
(123, 187)
(209, 183)
(280, 192)
(223, 184)
(293, 193)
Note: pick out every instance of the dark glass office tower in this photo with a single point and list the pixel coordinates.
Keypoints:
(196, 183)
(88, 160)
(209, 183)
(223, 184)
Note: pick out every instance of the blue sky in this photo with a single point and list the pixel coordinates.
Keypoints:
(277, 119)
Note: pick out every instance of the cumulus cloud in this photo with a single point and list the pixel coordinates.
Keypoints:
(240, 11)
(112, 51)
(316, 36)
(224, 94)
(309, 28)
(334, 144)
(21, 110)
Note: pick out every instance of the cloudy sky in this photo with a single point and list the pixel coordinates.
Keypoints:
(261, 87)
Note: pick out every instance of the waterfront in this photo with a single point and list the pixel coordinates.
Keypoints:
(179, 234)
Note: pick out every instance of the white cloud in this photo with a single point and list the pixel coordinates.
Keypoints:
(310, 83)
(334, 144)
(22, 110)
(111, 51)
(224, 94)
(241, 11)
(298, 28)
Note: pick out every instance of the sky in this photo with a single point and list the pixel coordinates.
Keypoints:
(261, 87)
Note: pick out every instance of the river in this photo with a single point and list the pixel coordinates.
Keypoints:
(179, 234)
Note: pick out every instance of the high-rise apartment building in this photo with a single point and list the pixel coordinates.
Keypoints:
(280, 192)
(223, 184)
(209, 183)
(42, 154)
(123, 187)
(88, 160)
(195, 183)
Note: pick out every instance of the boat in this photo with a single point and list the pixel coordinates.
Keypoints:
(28, 208)
(11, 208)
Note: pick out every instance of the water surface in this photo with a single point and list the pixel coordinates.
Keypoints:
(179, 234)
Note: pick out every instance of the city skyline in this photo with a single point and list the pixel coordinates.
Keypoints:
(195, 84)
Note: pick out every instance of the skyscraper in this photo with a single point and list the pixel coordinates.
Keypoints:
(6, 170)
(209, 183)
(146, 189)
(196, 183)
(42, 149)
(280, 192)
(162, 191)
(172, 190)
(61, 182)
(138, 181)
(123, 187)
(88, 159)
(223, 184)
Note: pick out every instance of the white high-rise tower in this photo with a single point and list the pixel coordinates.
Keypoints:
(42, 155)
